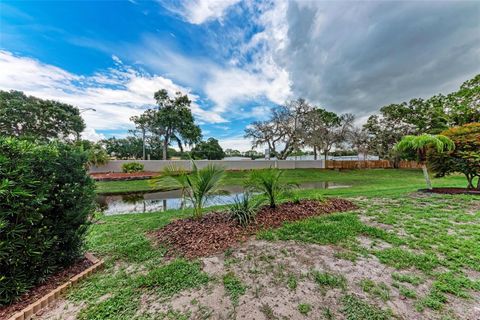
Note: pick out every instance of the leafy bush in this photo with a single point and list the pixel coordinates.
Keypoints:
(268, 182)
(132, 167)
(46, 197)
(465, 158)
(244, 209)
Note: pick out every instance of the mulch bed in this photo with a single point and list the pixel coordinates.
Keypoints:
(45, 287)
(451, 191)
(215, 232)
(116, 176)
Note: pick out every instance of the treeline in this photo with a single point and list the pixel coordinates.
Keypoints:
(298, 125)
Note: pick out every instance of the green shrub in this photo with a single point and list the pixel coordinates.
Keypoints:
(132, 167)
(244, 209)
(46, 197)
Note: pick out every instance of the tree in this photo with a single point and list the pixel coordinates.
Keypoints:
(209, 149)
(27, 116)
(465, 158)
(172, 120)
(125, 148)
(232, 153)
(269, 183)
(360, 141)
(322, 130)
(96, 154)
(421, 144)
(463, 106)
(283, 129)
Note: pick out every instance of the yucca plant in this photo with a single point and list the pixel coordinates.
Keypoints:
(268, 183)
(244, 208)
(421, 144)
(197, 186)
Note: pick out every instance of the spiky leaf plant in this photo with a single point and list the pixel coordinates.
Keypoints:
(197, 186)
(268, 183)
(244, 208)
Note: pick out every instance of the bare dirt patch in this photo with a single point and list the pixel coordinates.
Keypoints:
(216, 232)
(278, 277)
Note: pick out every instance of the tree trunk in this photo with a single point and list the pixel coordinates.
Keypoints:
(427, 177)
(314, 153)
(165, 148)
(470, 181)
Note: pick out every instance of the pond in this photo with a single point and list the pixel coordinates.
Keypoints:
(165, 200)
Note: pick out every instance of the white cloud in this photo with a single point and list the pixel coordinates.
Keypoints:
(116, 94)
(92, 135)
(236, 143)
(200, 11)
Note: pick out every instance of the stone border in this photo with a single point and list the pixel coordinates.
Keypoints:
(56, 293)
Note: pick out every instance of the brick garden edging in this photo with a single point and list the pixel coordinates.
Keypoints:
(56, 293)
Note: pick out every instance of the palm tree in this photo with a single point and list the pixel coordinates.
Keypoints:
(268, 182)
(198, 186)
(421, 144)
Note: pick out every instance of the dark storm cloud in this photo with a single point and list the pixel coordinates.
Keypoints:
(359, 56)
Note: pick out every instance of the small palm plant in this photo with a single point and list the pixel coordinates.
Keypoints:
(244, 208)
(198, 186)
(421, 144)
(268, 183)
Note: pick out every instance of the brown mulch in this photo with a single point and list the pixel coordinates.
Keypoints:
(116, 176)
(45, 287)
(452, 191)
(215, 232)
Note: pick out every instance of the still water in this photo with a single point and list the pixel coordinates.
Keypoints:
(161, 201)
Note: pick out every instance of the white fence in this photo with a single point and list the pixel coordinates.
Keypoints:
(159, 165)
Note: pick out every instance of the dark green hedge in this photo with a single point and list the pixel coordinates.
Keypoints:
(46, 197)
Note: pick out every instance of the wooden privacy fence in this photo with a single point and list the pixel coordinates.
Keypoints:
(370, 164)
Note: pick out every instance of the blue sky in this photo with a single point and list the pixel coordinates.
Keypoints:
(235, 59)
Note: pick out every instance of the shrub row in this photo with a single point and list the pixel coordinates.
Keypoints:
(46, 197)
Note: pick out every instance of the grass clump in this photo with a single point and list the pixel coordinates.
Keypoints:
(457, 285)
(408, 278)
(234, 287)
(325, 279)
(174, 277)
(355, 309)
(402, 259)
(292, 282)
(304, 308)
(434, 300)
(330, 229)
(406, 292)
(122, 305)
(379, 290)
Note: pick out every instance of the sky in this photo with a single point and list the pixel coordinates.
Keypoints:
(235, 59)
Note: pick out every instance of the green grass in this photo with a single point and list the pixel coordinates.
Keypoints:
(234, 287)
(304, 308)
(367, 182)
(174, 277)
(379, 290)
(437, 235)
(356, 309)
(329, 280)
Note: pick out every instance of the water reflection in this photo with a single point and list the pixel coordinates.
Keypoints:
(161, 201)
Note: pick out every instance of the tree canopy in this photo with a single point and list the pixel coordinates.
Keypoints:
(464, 159)
(209, 149)
(27, 116)
(171, 120)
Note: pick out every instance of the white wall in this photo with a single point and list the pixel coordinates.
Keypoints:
(159, 165)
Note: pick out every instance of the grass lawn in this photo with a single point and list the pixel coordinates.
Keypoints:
(370, 181)
(401, 255)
